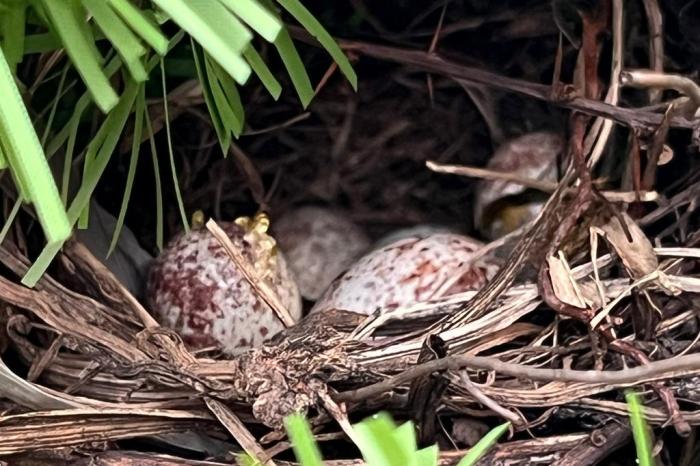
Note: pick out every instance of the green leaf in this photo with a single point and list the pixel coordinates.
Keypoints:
(13, 21)
(10, 219)
(74, 123)
(640, 430)
(124, 41)
(222, 133)
(428, 456)
(141, 24)
(216, 29)
(311, 24)
(256, 16)
(263, 72)
(67, 18)
(99, 151)
(173, 170)
(23, 153)
(231, 107)
(303, 441)
(158, 185)
(295, 67)
(375, 439)
(482, 446)
(139, 111)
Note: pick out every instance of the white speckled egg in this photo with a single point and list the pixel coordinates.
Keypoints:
(497, 209)
(409, 271)
(195, 289)
(319, 245)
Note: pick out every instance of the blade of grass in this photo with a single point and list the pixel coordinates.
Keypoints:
(80, 47)
(375, 439)
(27, 161)
(222, 133)
(68, 159)
(303, 442)
(10, 219)
(256, 16)
(13, 25)
(54, 104)
(120, 36)
(640, 430)
(141, 25)
(173, 170)
(311, 24)
(227, 99)
(157, 181)
(295, 67)
(133, 161)
(216, 29)
(84, 100)
(261, 69)
(482, 446)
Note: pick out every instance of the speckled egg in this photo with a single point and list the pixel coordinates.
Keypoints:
(319, 244)
(195, 289)
(409, 271)
(501, 206)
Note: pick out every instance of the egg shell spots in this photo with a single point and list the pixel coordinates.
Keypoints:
(195, 289)
(319, 245)
(406, 272)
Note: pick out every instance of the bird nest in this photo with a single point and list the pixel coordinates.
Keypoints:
(589, 302)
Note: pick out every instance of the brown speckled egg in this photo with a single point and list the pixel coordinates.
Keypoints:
(409, 271)
(502, 206)
(195, 289)
(319, 244)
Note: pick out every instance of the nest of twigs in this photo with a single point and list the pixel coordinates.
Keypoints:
(595, 296)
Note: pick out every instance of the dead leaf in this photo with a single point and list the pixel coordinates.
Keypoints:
(638, 256)
(565, 285)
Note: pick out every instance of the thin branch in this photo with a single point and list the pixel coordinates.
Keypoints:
(656, 370)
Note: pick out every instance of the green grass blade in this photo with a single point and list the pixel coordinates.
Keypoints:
(303, 442)
(13, 21)
(66, 19)
(427, 456)
(640, 430)
(139, 111)
(295, 67)
(157, 181)
(231, 107)
(262, 71)
(141, 25)
(216, 29)
(54, 104)
(311, 24)
(10, 219)
(482, 446)
(222, 134)
(27, 161)
(256, 16)
(173, 170)
(375, 438)
(124, 41)
(100, 150)
(68, 159)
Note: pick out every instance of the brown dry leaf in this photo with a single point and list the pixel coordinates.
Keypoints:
(563, 284)
(638, 256)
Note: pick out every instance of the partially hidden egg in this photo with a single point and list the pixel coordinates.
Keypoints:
(409, 271)
(195, 289)
(319, 244)
(502, 206)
